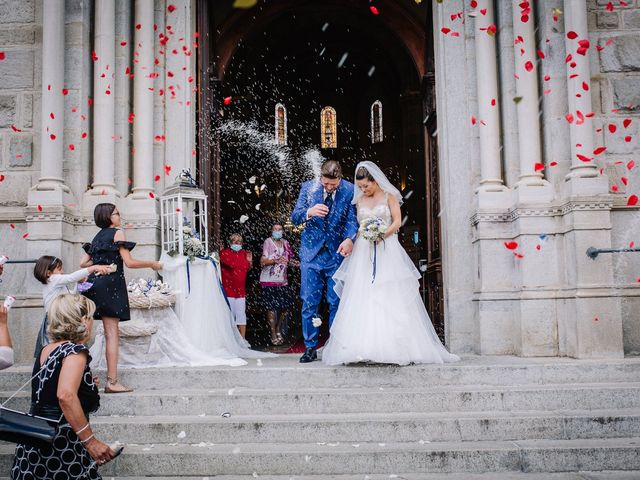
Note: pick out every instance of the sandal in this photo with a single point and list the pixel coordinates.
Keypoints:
(114, 382)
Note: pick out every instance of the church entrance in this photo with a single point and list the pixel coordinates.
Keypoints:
(290, 83)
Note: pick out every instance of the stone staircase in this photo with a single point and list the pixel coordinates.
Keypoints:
(483, 418)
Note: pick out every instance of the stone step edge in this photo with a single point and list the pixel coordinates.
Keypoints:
(363, 390)
(603, 475)
(349, 448)
(378, 417)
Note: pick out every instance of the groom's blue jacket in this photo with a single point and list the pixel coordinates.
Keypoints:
(341, 223)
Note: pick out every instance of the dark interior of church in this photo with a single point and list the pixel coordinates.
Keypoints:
(278, 67)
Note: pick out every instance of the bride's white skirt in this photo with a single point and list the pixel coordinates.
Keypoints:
(384, 321)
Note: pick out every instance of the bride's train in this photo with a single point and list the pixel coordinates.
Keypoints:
(381, 319)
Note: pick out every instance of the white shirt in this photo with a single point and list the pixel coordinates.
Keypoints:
(62, 283)
(6, 357)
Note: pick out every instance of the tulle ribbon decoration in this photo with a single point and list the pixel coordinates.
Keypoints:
(215, 268)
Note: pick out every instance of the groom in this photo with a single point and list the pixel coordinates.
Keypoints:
(331, 226)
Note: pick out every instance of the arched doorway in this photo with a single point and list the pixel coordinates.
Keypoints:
(309, 80)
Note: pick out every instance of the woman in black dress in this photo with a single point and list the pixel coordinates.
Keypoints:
(109, 292)
(64, 388)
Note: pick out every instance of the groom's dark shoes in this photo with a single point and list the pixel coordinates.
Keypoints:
(309, 356)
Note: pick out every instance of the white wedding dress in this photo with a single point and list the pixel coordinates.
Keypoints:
(381, 320)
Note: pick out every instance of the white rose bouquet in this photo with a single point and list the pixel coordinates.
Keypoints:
(373, 229)
(191, 243)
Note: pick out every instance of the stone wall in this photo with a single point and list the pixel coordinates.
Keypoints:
(616, 82)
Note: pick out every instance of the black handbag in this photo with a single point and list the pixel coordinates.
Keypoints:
(25, 428)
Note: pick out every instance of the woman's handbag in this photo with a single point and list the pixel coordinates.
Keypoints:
(24, 428)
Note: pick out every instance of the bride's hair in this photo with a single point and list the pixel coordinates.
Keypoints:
(363, 173)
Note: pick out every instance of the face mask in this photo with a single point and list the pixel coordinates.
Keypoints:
(277, 235)
(236, 248)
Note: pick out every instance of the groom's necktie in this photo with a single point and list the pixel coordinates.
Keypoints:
(328, 201)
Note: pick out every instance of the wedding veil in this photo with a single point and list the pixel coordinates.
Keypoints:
(380, 178)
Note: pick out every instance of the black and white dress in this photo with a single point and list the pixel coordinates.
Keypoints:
(67, 458)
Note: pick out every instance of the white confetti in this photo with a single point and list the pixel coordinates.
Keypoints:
(226, 415)
(252, 180)
(243, 218)
(231, 390)
(182, 434)
(323, 50)
(371, 70)
(316, 321)
(258, 206)
(381, 444)
(263, 186)
(246, 190)
(325, 26)
(343, 59)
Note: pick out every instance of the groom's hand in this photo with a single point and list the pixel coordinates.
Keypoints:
(318, 210)
(345, 247)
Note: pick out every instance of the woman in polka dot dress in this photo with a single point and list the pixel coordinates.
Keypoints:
(65, 388)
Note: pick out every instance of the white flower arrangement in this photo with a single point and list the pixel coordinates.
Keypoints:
(373, 229)
(192, 246)
(316, 321)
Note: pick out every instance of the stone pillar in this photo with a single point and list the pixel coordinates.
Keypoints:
(488, 110)
(180, 98)
(123, 103)
(141, 209)
(143, 101)
(581, 129)
(52, 125)
(104, 101)
(529, 141)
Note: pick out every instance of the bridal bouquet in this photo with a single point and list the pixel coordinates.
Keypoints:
(373, 229)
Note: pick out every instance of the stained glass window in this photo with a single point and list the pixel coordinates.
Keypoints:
(328, 128)
(281, 124)
(376, 122)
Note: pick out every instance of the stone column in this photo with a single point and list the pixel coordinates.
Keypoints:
(104, 100)
(143, 101)
(529, 143)
(488, 109)
(141, 209)
(52, 126)
(180, 100)
(581, 129)
(123, 100)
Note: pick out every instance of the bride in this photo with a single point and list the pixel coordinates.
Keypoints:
(381, 317)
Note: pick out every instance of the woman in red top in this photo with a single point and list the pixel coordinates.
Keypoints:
(235, 263)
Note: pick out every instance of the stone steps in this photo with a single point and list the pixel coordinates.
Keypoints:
(380, 458)
(330, 429)
(487, 418)
(243, 401)
(286, 373)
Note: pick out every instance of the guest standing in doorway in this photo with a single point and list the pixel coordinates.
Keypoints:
(236, 263)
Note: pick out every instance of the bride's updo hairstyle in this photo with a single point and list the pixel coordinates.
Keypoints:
(66, 315)
(363, 174)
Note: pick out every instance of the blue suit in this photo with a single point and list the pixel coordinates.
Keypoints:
(319, 257)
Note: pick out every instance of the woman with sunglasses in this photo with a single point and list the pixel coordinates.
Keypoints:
(109, 292)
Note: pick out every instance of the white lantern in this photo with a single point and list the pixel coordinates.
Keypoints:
(183, 214)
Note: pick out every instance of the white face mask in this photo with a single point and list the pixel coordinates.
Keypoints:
(236, 248)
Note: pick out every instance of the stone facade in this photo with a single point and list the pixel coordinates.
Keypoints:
(551, 299)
